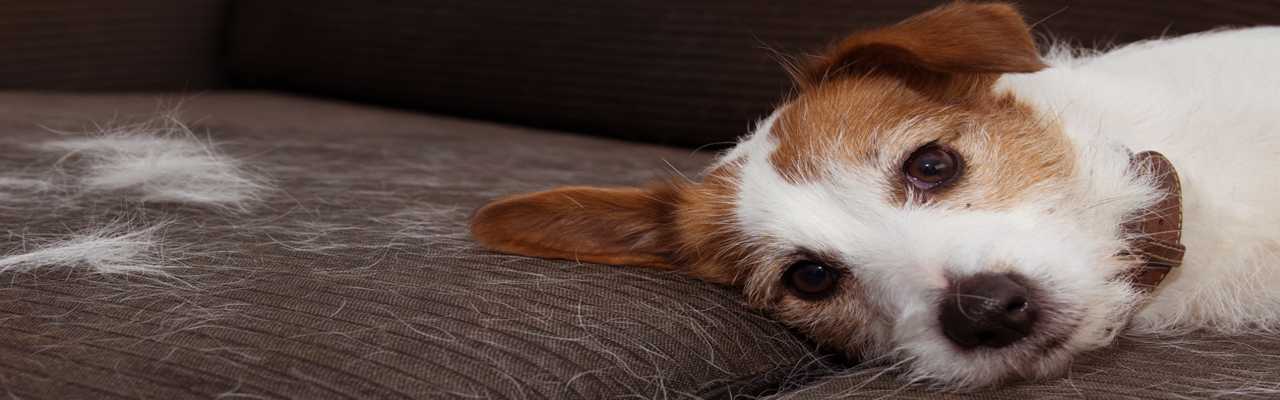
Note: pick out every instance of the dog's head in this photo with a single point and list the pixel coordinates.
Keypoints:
(899, 207)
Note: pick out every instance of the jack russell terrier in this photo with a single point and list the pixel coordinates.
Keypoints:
(942, 195)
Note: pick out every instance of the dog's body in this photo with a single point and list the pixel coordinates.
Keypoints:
(1211, 103)
(940, 195)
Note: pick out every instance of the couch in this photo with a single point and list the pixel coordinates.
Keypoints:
(381, 125)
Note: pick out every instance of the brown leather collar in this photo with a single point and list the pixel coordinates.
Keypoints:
(1155, 236)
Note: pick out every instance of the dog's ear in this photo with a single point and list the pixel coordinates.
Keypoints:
(942, 51)
(619, 226)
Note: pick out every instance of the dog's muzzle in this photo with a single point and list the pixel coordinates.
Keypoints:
(1155, 236)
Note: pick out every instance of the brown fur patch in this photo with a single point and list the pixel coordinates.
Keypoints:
(712, 246)
(668, 225)
(628, 226)
(873, 123)
(1009, 151)
(881, 94)
(947, 50)
(844, 120)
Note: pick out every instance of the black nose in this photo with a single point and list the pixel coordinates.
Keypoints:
(987, 310)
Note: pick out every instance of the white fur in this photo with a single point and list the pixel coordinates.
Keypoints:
(14, 187)
(1210, 102)
(160, 161)
(23, 184)
(113, 248)
(757, 142)
(848, 215)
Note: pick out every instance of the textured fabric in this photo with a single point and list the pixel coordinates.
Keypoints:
(357, 278)
(116, 45)
(1195, 367)
(687, 73)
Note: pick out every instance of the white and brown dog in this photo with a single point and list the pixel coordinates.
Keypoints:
(941, 194)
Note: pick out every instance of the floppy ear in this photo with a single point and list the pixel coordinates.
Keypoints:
(619, 226)
(949, 48)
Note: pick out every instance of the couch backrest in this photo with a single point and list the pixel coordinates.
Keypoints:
(686, 73)
(675, 72)
(118, 45)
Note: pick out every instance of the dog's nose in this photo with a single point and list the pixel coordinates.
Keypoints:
(987, 310)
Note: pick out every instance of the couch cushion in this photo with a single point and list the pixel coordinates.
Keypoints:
(1192, 367)
(356, 279)
(688, 72)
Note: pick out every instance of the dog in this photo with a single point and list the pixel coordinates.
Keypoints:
(941, 194)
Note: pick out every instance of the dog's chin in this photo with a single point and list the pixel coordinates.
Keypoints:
(927, 357)
(941, 365)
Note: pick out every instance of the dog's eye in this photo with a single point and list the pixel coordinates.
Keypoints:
(811, 280)
(931, 166)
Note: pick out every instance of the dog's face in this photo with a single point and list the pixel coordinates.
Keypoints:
(899, 207)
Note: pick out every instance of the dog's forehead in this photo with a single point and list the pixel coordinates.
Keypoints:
(779, 193)
(852, 122)
(850, 138)
(827, 132)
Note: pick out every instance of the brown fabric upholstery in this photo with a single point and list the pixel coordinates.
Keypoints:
(116, 45)
(686, 73)
(357, 279)
(1195, 367)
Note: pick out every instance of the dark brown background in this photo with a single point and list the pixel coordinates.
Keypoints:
(682, 73)
(129, 45)
(674, 72)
